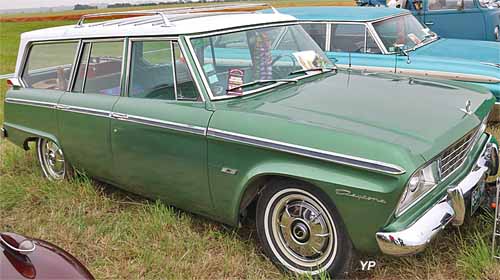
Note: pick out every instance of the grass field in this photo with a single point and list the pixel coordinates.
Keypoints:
(118, 235)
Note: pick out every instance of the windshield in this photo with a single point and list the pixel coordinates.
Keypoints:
(405, 31)
(240, 62)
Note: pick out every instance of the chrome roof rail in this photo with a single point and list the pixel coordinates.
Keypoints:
(182, 10)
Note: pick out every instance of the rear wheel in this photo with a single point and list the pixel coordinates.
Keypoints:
(301, 231)
(52, 161)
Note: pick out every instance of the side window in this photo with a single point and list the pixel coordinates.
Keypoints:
(186, 89)
(49, 65)
(317, 31)
(351, 38)
(158, 70)
(151, 70)
(347, 38)
(100, 68)
(448, 4)
(371, 45)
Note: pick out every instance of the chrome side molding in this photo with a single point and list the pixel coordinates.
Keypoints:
(343, 159)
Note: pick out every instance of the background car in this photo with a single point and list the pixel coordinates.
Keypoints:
(394, 41)
(463, 19)
(27, 258)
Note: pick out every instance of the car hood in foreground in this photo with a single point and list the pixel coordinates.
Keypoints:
(396, 120)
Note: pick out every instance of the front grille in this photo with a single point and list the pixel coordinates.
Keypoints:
(453, 157)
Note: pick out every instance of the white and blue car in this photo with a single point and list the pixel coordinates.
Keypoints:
(392, 40)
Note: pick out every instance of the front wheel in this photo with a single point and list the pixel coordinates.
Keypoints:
(301, 231)
(52, 161)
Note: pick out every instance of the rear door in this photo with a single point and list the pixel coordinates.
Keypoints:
(158, 130)
(45, 77)
(444, 18)
(83, 113)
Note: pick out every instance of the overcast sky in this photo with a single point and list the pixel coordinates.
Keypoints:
(23, 4)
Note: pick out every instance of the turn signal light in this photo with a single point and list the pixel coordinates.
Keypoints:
(493, 205)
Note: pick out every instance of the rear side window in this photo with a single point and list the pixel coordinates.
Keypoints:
(100, 68)
(317, 31)
(49, 65)
(352, 38)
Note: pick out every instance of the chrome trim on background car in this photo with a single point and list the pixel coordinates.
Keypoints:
(450, 209)
(424, 73)
(308, 152)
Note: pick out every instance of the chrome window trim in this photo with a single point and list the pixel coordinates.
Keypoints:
(172, 40)
(91, 42)
(27, 50)
(368, 27)
(74, 69)
(337, 158)
(174, 69)
(84, 81)
(328, 37)
(191, 71)
(233, 30)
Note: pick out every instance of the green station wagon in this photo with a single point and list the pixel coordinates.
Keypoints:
(178, 107)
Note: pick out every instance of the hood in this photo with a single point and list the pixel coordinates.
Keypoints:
(387, 118)
(460, 56)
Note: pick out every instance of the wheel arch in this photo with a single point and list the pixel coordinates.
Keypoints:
(327, 181)
(22, 136)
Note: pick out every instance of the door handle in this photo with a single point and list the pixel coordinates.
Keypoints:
(62, 107)
(429, 23)
(119, 116)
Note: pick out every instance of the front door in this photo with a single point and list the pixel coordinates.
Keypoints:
(158, 130)
(444, 18)
(84, 113)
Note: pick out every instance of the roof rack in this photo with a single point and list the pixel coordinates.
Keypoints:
(182, 10)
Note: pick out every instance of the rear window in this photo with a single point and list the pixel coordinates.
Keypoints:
(49, 65)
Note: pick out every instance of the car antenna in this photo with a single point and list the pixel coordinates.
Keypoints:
(350, 59)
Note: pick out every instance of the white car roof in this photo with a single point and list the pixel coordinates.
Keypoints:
(153, 25)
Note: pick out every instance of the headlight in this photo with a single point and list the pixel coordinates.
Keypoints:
(497, 32)
(420, 183)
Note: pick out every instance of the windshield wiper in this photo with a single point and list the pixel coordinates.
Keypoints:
(323, 70)
(258, 82)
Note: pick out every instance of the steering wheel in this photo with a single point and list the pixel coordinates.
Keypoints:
(283, 71)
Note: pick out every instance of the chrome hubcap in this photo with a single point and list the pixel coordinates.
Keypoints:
(303, 230)
(52, 160)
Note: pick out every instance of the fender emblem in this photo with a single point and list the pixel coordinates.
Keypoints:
(467, 109)
(348, 193)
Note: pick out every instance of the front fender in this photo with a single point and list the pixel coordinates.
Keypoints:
(365, 199)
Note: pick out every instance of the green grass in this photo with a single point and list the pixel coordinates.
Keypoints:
(119, 235)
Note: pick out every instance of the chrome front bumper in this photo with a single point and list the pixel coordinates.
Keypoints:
(450, 209)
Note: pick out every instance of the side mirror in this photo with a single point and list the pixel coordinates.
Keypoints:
(399, 49)
(460, 5)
